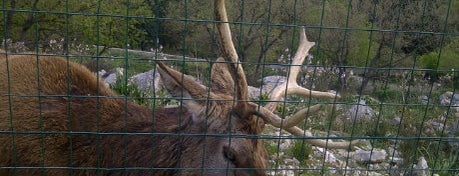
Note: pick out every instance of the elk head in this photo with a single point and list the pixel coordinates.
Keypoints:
(232, 122)
(229, 144)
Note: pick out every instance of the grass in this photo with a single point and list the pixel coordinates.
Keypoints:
(413, 124)
(301, 151)
(142, 97)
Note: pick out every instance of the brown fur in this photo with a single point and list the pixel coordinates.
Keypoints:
(57, 118)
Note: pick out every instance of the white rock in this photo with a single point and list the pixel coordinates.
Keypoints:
(359, 111)
(375, 156)
(111, 77)
(421, 168)
(148, 81)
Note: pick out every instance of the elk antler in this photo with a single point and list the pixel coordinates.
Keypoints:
(291, 87)
(247, 108)
(230, 53)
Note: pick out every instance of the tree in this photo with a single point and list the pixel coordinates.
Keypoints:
(104, 22)
(405, 30)
(256, 27)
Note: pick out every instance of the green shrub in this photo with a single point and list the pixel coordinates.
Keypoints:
(301, 151)
(441, 62)
(131, 91)
(145, 98)
(388, 95)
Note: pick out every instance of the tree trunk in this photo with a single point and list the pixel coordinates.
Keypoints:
(29, 22)
(370, 71)
(9, 20)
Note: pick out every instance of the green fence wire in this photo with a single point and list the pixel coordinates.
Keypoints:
(393, 63)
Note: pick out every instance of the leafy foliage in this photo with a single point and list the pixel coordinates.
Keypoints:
(104, 22)
(122, 87)
(142, 97)
(442, 61)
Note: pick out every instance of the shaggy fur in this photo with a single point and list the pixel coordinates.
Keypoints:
(57, 118)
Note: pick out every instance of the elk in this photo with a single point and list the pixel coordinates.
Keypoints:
(58, 118)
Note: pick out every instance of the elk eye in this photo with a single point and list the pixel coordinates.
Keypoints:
(234, 113)
(229, 154)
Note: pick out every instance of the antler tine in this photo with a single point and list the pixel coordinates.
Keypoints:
(300, 55)
(322, 142)
(231, 55)
(291, 86)
(278, 122)
(289, 126)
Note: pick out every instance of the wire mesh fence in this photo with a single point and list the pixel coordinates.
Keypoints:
(135, 87)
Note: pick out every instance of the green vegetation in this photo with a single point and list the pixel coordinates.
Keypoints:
(348, 33)
(122, 87)
(142, 97)
(44, 23)
(443, 61)
(301, 151)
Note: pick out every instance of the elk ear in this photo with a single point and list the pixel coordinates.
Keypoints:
(221, 81)
(192, 94)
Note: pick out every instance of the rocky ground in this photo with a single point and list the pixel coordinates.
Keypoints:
(363, 160)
